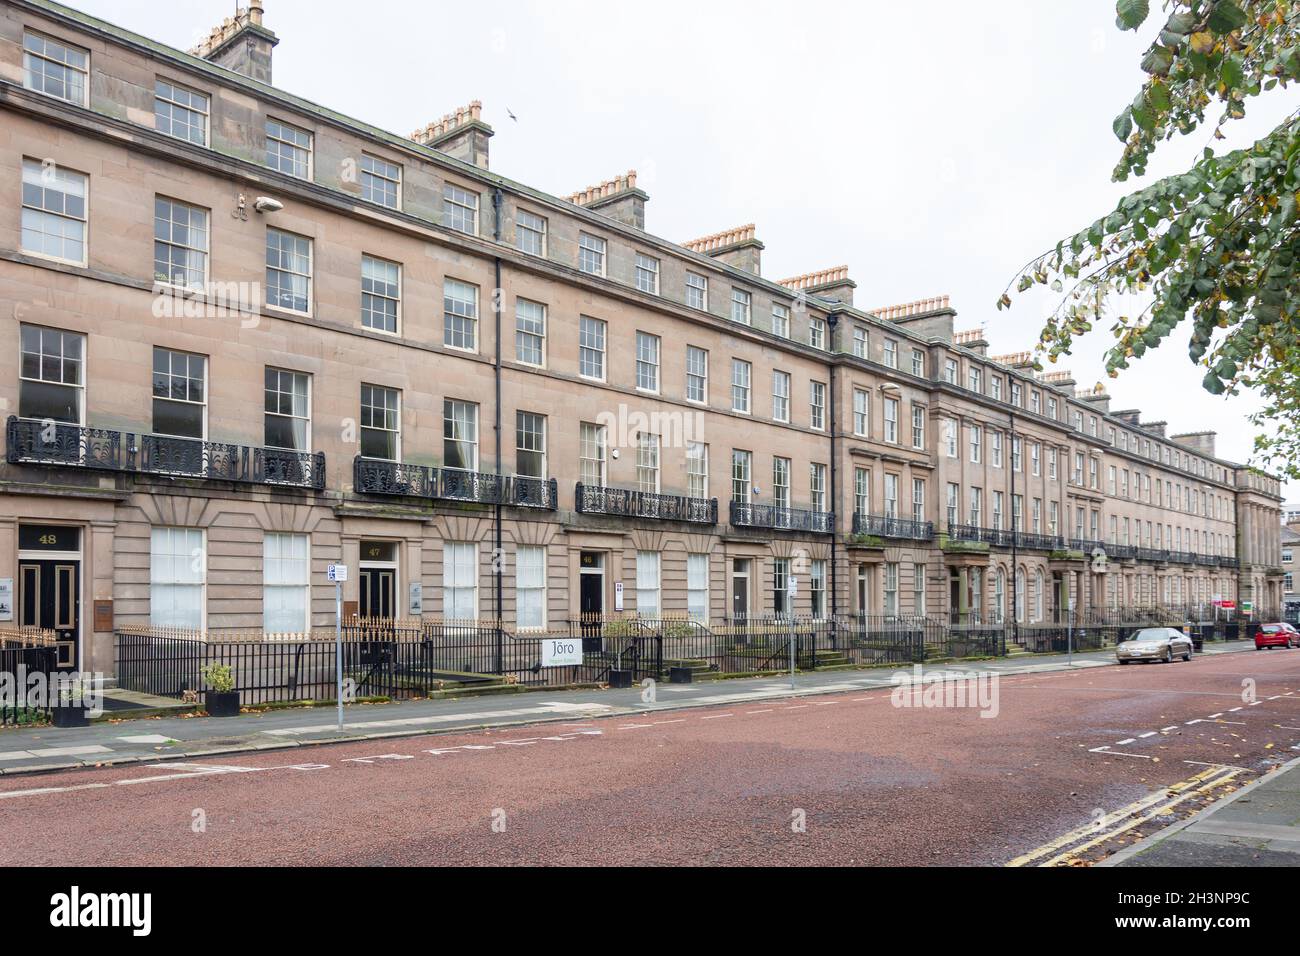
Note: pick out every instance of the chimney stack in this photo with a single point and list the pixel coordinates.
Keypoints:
(618, 198)
(833, 284)
(1202, 443)
(462, 135)
(240, 43)
(932, 317)
(737, 247)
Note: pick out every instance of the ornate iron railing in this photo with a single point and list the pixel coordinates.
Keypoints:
(50, 443)
(996, 537)
(599, 500)
(372, 476)
(1155, 555)
(780, 519)
(475, 486)
(886, 527)
(32, 442)
(534, 493)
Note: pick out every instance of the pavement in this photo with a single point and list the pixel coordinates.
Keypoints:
(1259, 825)
(1056, 766)
(108, 743)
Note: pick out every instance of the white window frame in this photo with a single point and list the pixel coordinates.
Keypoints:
(293, 577)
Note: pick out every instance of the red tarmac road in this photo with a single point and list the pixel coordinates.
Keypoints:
(874, 783)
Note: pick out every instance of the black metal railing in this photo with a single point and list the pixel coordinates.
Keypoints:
(1154, 555)
(31, 442)
(890, 527)
(534, 493)
(995, 537)
(476, 486)
(371, 476)
(623, 502)
(1033, 541)
(1086, 545)
(781, 519)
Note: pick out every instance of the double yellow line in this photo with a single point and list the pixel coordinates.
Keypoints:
(1068, 848)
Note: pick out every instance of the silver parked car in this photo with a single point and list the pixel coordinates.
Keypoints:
(1155, 644)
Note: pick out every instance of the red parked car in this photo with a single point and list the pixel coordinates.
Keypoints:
(1276, 635)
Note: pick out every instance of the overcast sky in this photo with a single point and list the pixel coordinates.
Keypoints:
(930, 149)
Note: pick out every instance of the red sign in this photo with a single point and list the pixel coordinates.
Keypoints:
(1226, 605)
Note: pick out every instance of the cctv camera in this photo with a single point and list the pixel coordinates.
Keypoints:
(267, 204)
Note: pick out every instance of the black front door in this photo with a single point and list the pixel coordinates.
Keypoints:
(49, 597)
(591, 598)
(740, 597)
(377, 593)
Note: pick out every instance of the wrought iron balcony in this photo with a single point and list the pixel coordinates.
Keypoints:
(1086, 545)
(528, 492)
(1034, 541)
(1121, 552)
(1154, 555)
(780, 519)
(598, 500)
(372, 476)
(74, 446)
(887, 527)
(476, 486)
(996, 537)
(32, 442)
(1182, 557)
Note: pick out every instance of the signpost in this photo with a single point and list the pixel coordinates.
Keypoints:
(1069, 632)
(338, 573)
(792, 591)
(618, 595)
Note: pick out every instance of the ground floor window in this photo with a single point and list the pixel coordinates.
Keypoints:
(647, 583)
(918, 589)
(286, 584)
(530, 586)
(891, 588)
(817, 588)
(780, 581)
(177, 574)
(460, 580)
(697, 587)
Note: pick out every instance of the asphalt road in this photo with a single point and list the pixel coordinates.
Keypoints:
(1071, 759)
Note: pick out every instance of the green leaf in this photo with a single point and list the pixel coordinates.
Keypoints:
(1158, 61)
(1232, 73)
(1226, 17)
(1130, 14)
(1123, 125)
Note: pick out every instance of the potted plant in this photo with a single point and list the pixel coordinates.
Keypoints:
(222, 699)
(618, 677)
(70, 708)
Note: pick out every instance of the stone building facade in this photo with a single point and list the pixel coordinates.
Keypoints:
(246, 337)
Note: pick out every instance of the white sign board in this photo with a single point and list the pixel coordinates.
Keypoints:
(561, 651)
(6, 599)
(415, 602)
(337, 573)
(618, 595)
(792, 586)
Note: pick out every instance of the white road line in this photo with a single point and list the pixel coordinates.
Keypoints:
(635, 726)
(1165, 730)
(768, 711)
(1215, 716)
(1234, 710)
(716, 716)
(678, 720)
(1149, 733)
(1125, 742)
(1117, 753)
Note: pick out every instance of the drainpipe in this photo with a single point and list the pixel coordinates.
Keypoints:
(498, 553)
(832, 321)
(1015, 537)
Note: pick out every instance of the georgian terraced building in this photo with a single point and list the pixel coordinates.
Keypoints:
(245, 337)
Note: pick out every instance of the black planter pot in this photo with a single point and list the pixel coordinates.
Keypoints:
(619, 678)
(680, 675)
(69, 715)
(222, 704)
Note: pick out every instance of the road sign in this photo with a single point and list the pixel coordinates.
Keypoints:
(618, 595)
(792, 586)
(337, 573)
(561, 651)
(1247, 607)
